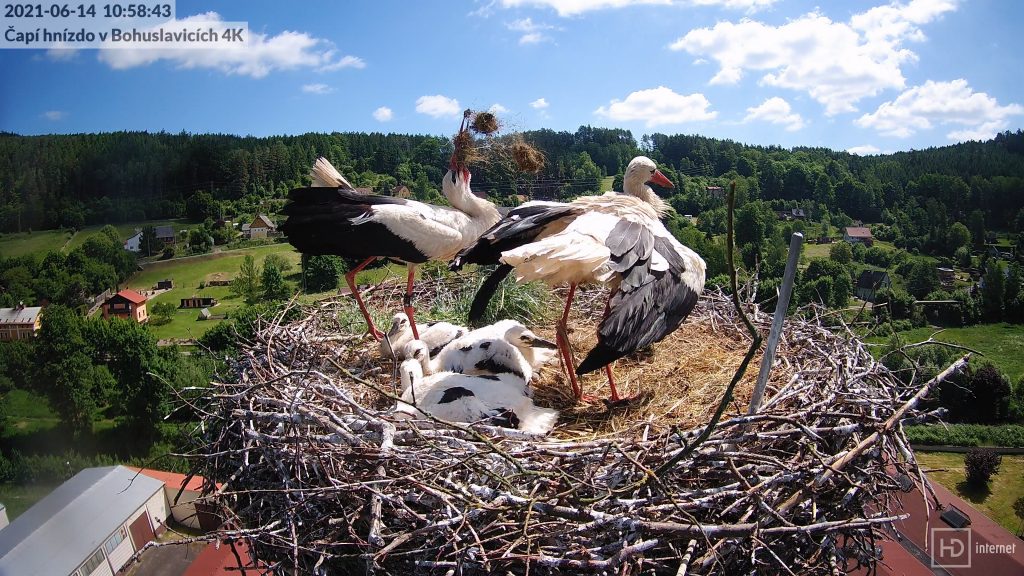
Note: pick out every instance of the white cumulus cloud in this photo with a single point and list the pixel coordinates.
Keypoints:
(865, 150)
(577, 7)
(658, 106)
(497, 109)
(438, 106)
(55, 115)
(317, 89)
(262, 54)
(776, 111)
(974, 115)
(532, 32)
(836, 63)
(383, 114)
(539, 104)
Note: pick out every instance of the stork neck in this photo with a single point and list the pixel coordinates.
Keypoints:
(412, 373)
(634, 187)
(462, 199)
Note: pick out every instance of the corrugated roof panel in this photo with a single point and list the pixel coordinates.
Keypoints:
(56, 534)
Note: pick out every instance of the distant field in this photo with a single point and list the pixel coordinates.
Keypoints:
(125, 230)
(12, 245)
(1002, 343)
(19, 498)
(187, 273)
(1005, 487)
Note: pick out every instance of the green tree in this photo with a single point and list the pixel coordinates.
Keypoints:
(63, 368)
(247, 282)
(993, 291)
(278, 261)
(149, 244)
(163, 309)
(980, 464)
(976, 224)
(321, 273)
(922, 279)
(1018, 510)
(957, 237)
(841, 252)
(273, 283)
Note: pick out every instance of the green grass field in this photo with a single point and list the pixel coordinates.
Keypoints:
(12, 245)
(125, 230)
(187, 273)
(1002, 344)
(996, 502)
(19, 498)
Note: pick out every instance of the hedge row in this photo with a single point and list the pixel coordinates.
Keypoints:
(1007, 435)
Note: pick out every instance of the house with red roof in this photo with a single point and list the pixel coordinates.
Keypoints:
(126, 304)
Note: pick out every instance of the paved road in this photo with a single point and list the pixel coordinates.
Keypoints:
(167, 560)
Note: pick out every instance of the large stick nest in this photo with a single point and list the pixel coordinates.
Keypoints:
(319, 475)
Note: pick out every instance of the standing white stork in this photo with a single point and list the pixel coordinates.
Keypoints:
(616, 239)
(342, 222)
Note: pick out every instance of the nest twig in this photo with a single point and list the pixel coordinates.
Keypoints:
(326, 478)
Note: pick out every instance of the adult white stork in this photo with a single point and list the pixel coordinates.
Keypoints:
(496, 399)
(616, 239)
(345, 223)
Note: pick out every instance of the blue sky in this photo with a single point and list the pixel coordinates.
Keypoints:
(866, 76)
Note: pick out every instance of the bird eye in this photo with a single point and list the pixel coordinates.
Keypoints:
(524, 338)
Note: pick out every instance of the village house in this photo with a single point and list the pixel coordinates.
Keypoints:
(165, 234)
(126, 304)
(260, 227)
(20, 322)
(401, 191)
(134, 242)
(858, 235)
(947, 276)
(870, 282)
(716, 192)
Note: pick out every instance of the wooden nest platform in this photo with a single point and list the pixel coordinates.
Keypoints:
(319, 476)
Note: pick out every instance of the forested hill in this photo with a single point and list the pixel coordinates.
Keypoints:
(82, 179)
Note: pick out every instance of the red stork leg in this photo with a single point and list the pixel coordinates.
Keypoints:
(407, 302)
(350, 278)
(615, 398)
(564, 349)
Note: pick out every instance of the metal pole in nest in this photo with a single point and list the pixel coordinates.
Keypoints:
(788, 278)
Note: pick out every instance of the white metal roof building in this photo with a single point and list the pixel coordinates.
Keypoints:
(90, 525)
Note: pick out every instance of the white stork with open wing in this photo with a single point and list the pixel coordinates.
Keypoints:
(616, 239)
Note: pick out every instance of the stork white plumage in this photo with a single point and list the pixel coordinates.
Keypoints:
(616, 239)
(535, 350)
(325, 175)
(339, 221)
(436, 335)
(497, 399)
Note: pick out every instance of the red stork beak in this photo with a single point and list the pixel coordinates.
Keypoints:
(660, 179)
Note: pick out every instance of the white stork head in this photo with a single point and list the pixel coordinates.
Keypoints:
(640, 171)
(535, 350)
(412, 369)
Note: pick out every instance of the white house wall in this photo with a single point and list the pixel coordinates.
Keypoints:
(157, 507)
(119, 556)
(102, 570)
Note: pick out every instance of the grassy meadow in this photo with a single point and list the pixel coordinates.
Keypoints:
(25, 243)
(1002, 344)
(996, 502)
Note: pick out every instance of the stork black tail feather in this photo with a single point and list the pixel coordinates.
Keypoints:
(601, 356)
(486, 292)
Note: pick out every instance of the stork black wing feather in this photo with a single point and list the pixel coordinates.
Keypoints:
(320, 222)
(521, 226)
(643, 311)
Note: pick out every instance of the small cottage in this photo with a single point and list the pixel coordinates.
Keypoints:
(134, 242)
(859, 235)
(198, 302)
(870, 282)
(165, 234)
(20, 322)
(260, 227)
(126, 304)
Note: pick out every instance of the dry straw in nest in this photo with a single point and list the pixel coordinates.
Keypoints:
(466, 152)
(321, 476)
